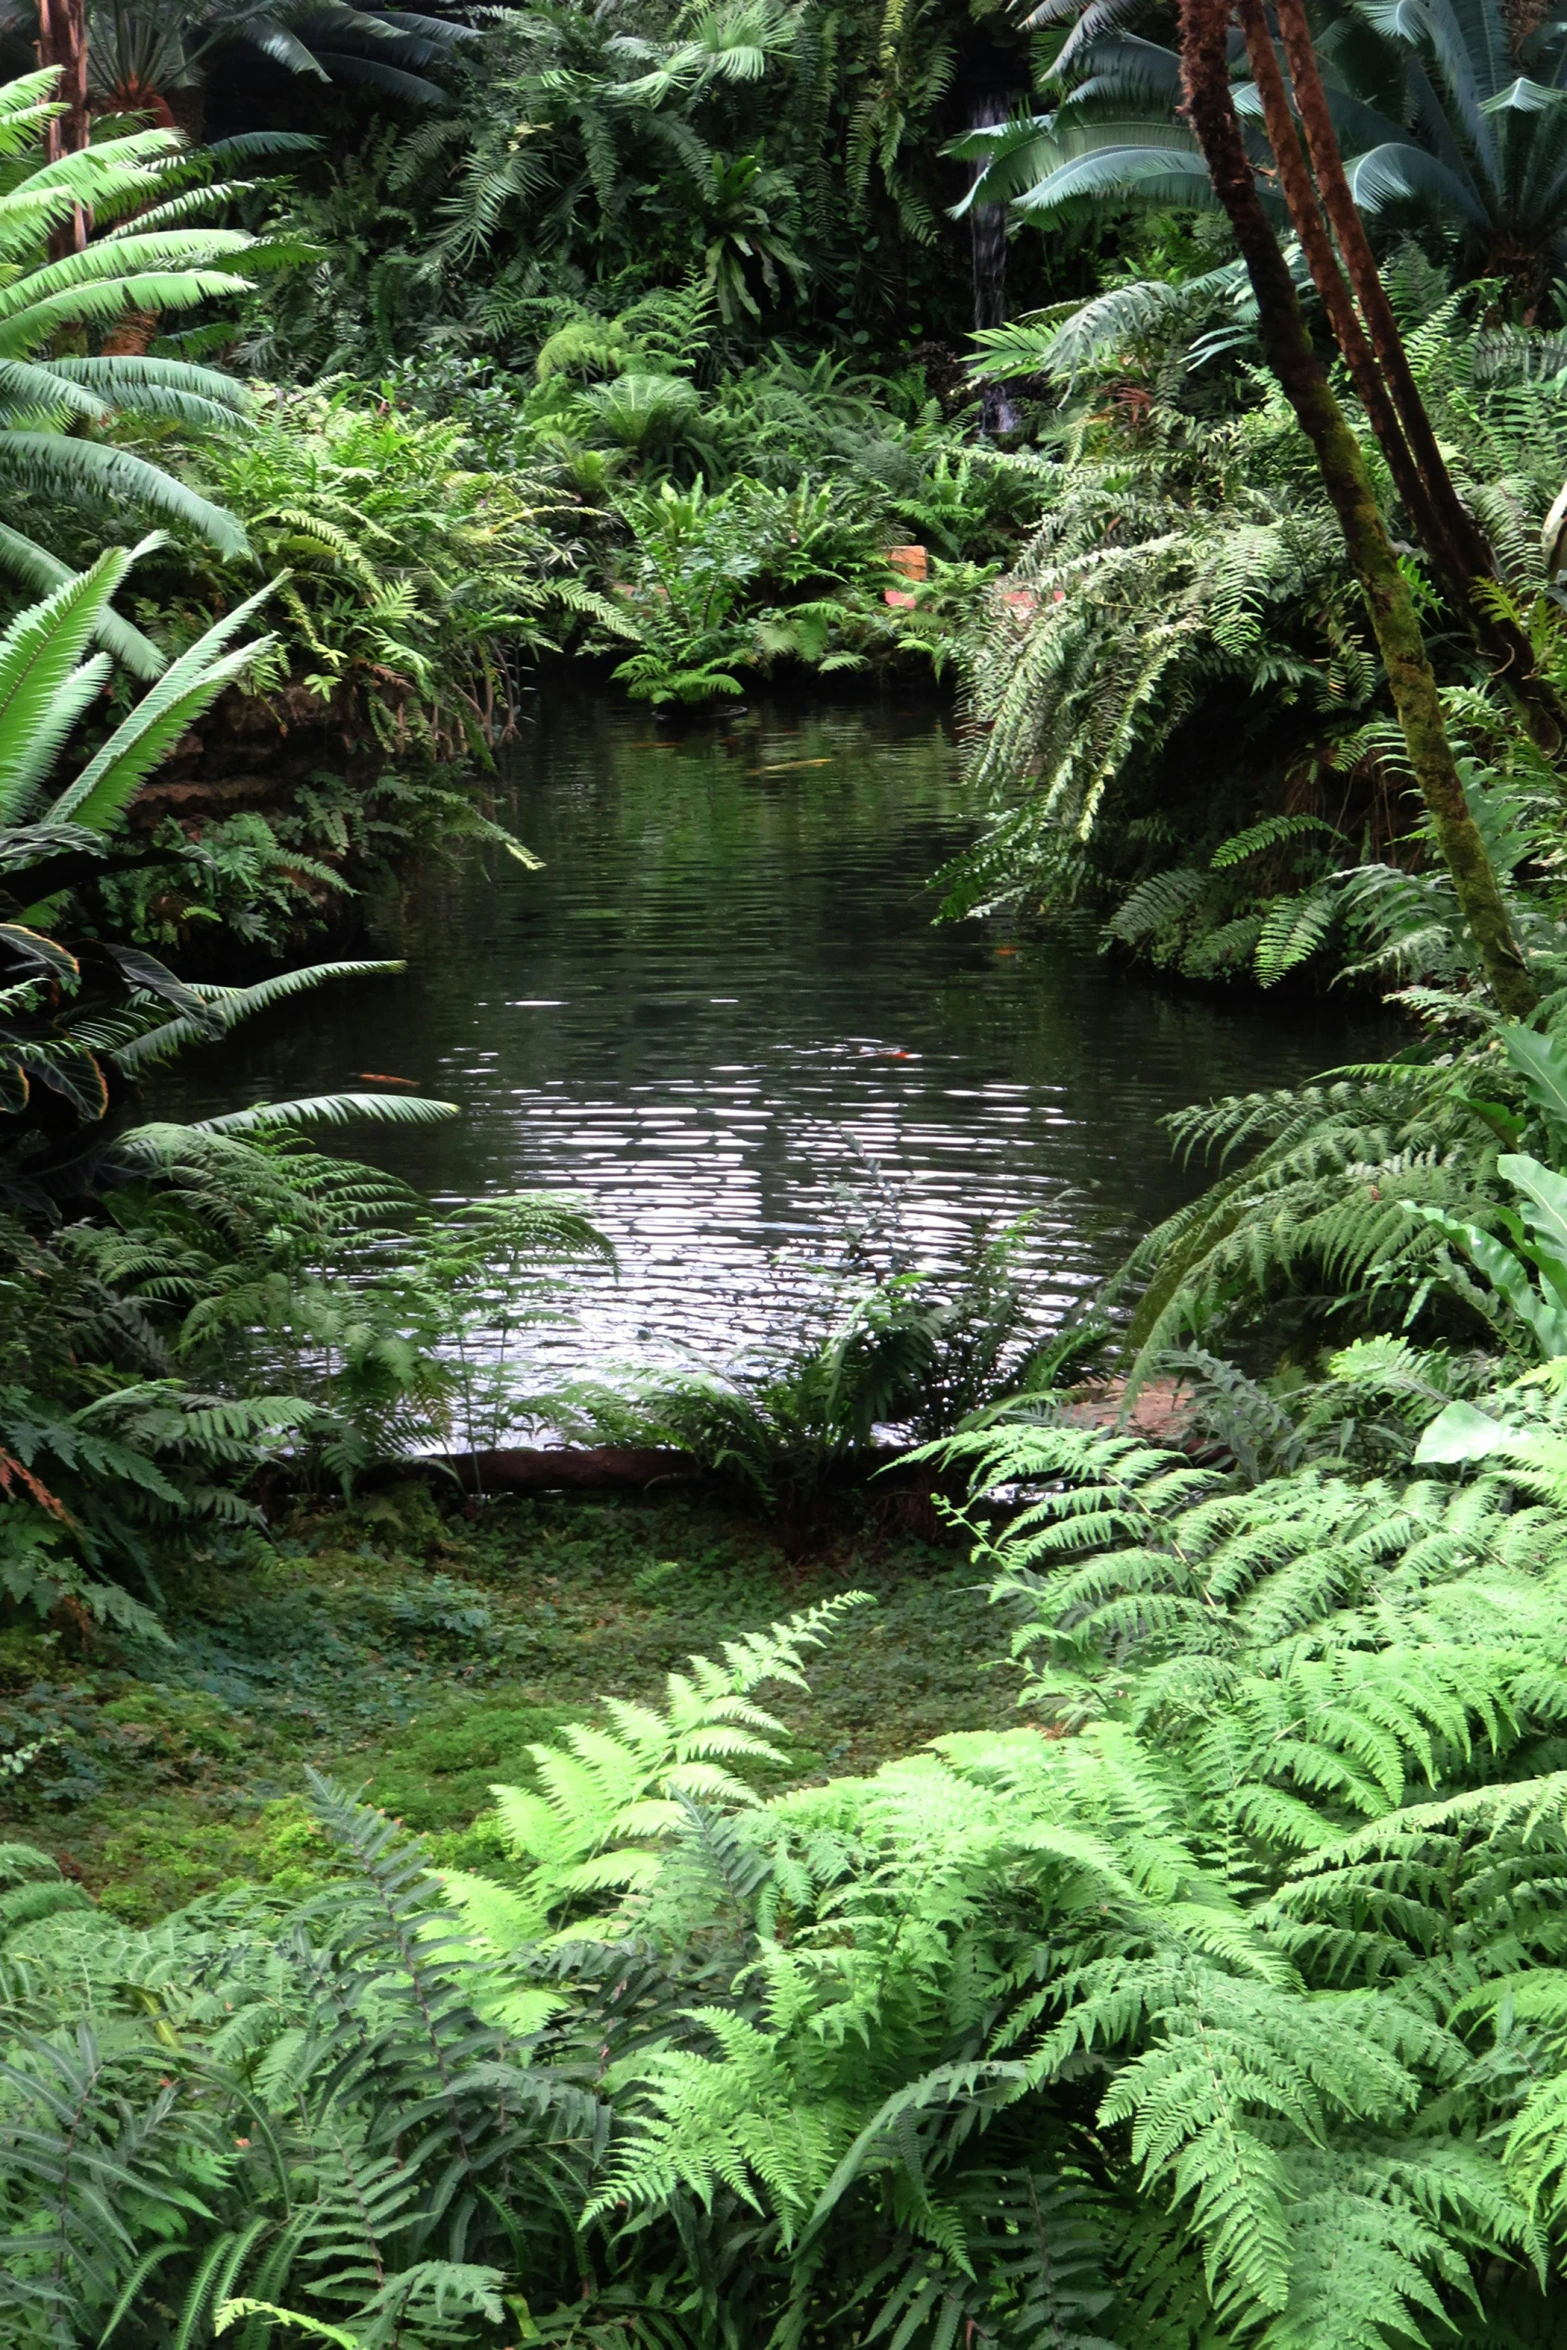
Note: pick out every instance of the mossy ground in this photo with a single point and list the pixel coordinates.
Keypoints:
(416, 1651)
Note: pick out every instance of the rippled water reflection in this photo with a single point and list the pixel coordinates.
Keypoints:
(724, 999)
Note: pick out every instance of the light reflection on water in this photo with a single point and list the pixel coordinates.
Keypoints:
(723, 1001)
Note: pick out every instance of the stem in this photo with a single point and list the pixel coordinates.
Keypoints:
(62, 42)
(1204, 31)
(1453, 538)
(1301, 200)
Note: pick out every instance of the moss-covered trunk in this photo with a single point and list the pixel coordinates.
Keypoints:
(1319, 200)
(1204, 33)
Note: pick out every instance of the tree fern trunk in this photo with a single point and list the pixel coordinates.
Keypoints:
(1204, 35)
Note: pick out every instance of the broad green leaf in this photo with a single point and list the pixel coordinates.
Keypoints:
(31, 946)
(1461, 1433)
(1541, 1061)
(1545, 1193)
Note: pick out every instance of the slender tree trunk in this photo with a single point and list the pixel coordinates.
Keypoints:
(1378, 364)
(988, 232)
(62, 42)
(1204, 34)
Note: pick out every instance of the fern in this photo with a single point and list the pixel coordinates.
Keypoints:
(604, 1800)
(1237, 2012)
(351, 2118)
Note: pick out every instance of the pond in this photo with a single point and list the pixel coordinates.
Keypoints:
(723, 1015)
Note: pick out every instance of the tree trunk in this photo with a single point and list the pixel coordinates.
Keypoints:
(1378, 363)
(62, 42)
(1210, 106)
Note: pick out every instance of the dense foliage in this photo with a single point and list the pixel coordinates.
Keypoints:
(1218, 2002)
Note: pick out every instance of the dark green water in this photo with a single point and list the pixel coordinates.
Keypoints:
(724, 1000)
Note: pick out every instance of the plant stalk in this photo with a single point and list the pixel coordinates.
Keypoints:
(62, 42)
(1379, 366)
(1210, 108)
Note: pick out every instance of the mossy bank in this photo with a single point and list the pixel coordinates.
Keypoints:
(416, 1649)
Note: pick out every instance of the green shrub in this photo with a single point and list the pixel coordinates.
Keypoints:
(214, 1254)
(413, 578)
(910, 1351)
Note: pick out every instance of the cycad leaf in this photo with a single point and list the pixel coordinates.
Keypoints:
(115, 780)
(333, 1109)
(163, 250)
(54, 461)
(29, 562)
(225, 1008)
(1397, 174)
(157, 387)
(41, 693)
(158, 720)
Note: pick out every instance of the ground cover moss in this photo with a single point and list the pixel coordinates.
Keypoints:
(416, 1650)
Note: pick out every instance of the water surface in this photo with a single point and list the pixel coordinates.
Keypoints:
(723, 1011)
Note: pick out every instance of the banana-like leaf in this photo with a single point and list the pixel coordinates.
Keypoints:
(1508, 1275)
(31, 946)
(26, 845)
(1461, 1433)
(75, 1076)
(1545, 1196)
(145, 972)
(1541, 1061)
